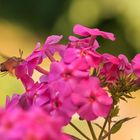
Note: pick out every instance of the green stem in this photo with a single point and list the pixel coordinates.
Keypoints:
(109, 127)
(106, 135)
(78, 130)
(91, 130)
(73, 137)
(101, 133)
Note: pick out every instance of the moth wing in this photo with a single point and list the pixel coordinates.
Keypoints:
(3, 57)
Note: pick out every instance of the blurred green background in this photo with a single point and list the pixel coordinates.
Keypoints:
(24, 23)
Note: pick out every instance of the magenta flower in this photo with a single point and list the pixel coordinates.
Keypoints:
(24, 101)
(53, 39)
(60, 105)
(30, 63)
(68, 73)
(114, 68)
(27, 81)
(54, 100)
(51, 45)
(124, 65)
(91, 99)
(35, 95)
(13, 102)
(136, 64)
(82, 43)
(40, 94)
(109, 69)
(32, 125)
(83, 58)
(84, 31)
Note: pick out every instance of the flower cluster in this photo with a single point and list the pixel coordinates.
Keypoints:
(82, 81)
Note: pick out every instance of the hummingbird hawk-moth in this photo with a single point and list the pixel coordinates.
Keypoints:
(10, 63)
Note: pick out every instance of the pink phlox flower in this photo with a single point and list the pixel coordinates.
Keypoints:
(109, 68)
(21, 70)
(41, 95)
(60, 105)
(55, 99)
(74, 56)
(35, 59)
(53, 39)
(51, 44)
(13, 102)
(82, 43)
(124, 64)
(60, 70)
(27, 81)
(83, 58)
(136, 64)
(84, 31)
(43, 78)
(91, 99)
(35, 95)
(24, 101)
(31, 62)
(35, 124)
(110, 58)
(115, 67)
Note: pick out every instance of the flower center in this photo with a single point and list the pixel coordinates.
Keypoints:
(9, 125)
(57, 103)
(67, 74)
(92, 98)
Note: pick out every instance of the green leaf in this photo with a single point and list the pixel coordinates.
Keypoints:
(116, 127)
(123, 98)
(115, 111)
(129, 96)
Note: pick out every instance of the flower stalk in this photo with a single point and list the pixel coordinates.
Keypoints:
(41, 70)
(91, 130)
(78, 130)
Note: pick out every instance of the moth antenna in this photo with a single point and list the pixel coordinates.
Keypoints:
(20, 53)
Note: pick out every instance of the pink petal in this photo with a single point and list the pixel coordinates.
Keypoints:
(80, 74)
(110, 58)
(77, 99)
(37, 46)
(27, 82)
(81, 64)
(70, 55)
(100, 110)
(136, 64)
(21, 69)
(106, 35)
(73, 38)
(95, 45)
(53, 39)
(85, 112)
(84, 31)
(81, 30)
(105, 100)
